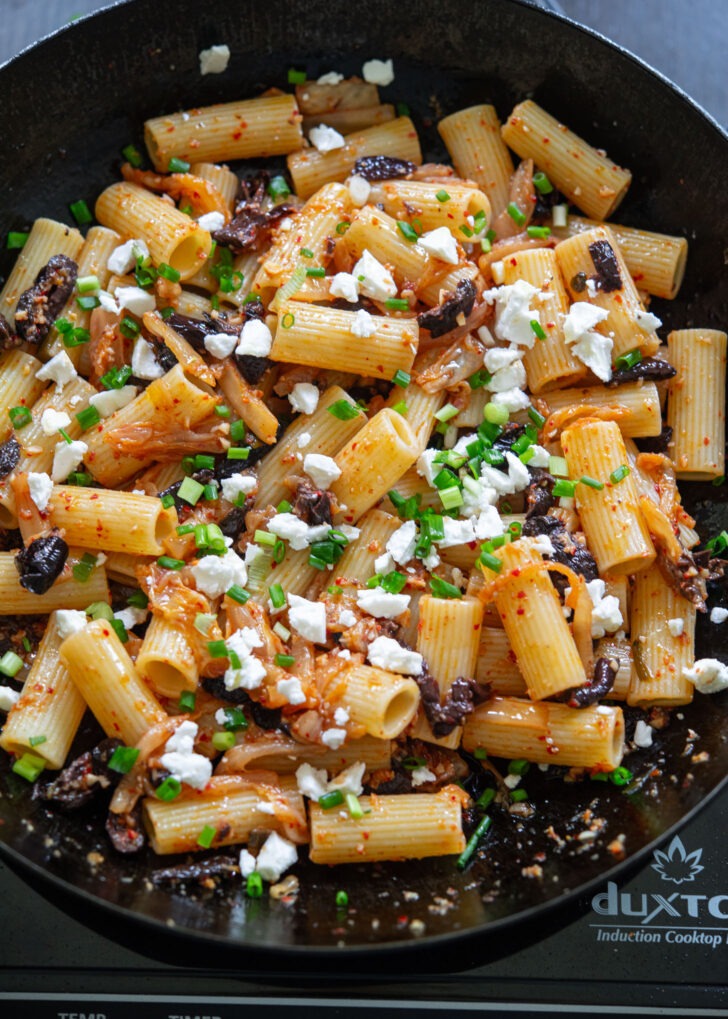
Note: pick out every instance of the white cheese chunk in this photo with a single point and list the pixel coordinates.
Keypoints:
(512, 376)
(359, 189)
(180, 759)
(488, 524)
(135, 300)
(307, 618)
(457, 532)
(540, 457)
(40, 487)
(708, 675)
(647, 322)
(69, 621)
(123, 258)
(51, 420)
(211, 221)
(296, 531)
(350, 779)
(131, 616)
(387, 653)
(215, 59)
(333, 738)
(107, 302)
(513, 314)
(374, 279)
(66, 458)
(143, 362)
(378, 72)
(676, 626)
(422, 775)
(292, 690)
(542, 544)
(221, 345)
(8, 698)
(276, 856)
(401, 543)
(606, 613)
(255, 339)
(247, 863)
(501, 357)
(214, 575)
(59, 369)
(312, 782)
(595, 351)
(718, 614)
(347, 618)
(512, 399)
(303, 440)
(325, 138)
(381, 603)
(346, 286)
(237, 485)
(330, 78)
(643, 734)
(341, 715)
(441, 244)
(323, 470)
(304, 397)
(581, 318)
(111, 400)
(363, 325)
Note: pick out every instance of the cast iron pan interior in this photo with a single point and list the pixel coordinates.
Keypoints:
(72, 102)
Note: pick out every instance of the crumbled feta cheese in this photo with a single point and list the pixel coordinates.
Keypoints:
(517, 472)
(333, 738)
(718, 614)
(513, 376)
(213, 575)
(359, 189)
(595, 351)
(292, 690)
(40, 487)
(182, 762)
(143, 362)
(135, 300)
(8, 698)
(296, 531)
(131, 616)
(211, 221)
(51, 420)
(512, 781)
(255, 339)
(488, 524)
(384, 563)
(347, 618)
(304, 397)
(647, 322)
(540, 457)
(107, 302)
(237, 485)
(401, 543)
(513, 400)
(341, 715)
(582, 317)
(426, 466)
(330, 78)
(457, 532)
(708, 675)
(303, 440)
(676, 626)
(350, 779)
(606, 613)
(307, 618)
(387, 653)
(363, 325)
(431, 560)
(441, 244)
(123, 258)
(323, 470)
(59, 369)
(422, 775)
(312, 782)
(325, 138)
(374, 279)
(344, 285)
(501, 357)
(251, 672)
(513, 314)
(67, 457)
(643, 734)
(243, 641)
(69, 621)
(378, 72)
(478, 496)
(221, 345)
(214, 60)
(247, 863)
(111, 400)
(350, 533)
(276, 856)
(381, 604)
(542, 545)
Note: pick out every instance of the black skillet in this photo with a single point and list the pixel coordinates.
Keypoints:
(70, 105)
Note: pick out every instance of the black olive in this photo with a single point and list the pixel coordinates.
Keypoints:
(41, 563)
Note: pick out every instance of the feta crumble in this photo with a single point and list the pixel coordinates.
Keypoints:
(647, 322)
(111, 400)
(182, 762)
(323, 470)
(69, 621)
(330, 78)
(676, 626)
(213, 575)
(387, 653)
(325, 138)
(593, 349)
(123, 258)
(312, 782)
(221, 345)
(643, 734)
(51, 420)
(708, 675)
(304, 397)
(40, 487)
(237, 485)
(255, 339)
(441, 244)
(135, 300)
(143, 362)
(401, 543)
(422, 775)
(374, 279)
(718, 614)
(215, 59)
(307, 618)
(606, 613)
(378, 72)
(60, 369)
(381, 603)
(333, 738)
(296, 531)
(66, 458)
(513, 312)
(275, 857)
(346, 286)
(292, 690)
(359, 189)
(363, 325)
(211, 221)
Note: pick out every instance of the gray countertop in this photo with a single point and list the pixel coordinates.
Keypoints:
(684, 39)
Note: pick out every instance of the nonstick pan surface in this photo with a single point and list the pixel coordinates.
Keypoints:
(70, 104)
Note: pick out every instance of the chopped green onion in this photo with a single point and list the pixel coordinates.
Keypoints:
(79, 478)
(88, 418)
(401, 378)
(168, 273)
(278, 187)
(119, 629)
(451, 498)
(284, 661)
(354, 806)
(123, 759)
(479, 221)
(538, 232)
(10, 664)
(206, 836)
(217, 649)
(403, 110)
(591, 483)
(20, 416)
(521, 444)
(238, 453)
(492, 562)
(558, 467)
(485, 800)
(479, 379)
(473, 841)
(400, 408)
(65, 436)
(344, 410)
(393, 582)
(515, 213)
(238, 594)
(222, 411)
(29, 767)
(442, 195)
(447, 412)
(132, 155)
(564, 489)
(619, 474)
(169, 789)
(342, 227)
(628, 360)
(187, 700)
(203, 622)
(288, 320)
(265, 538)
(342, 899)
(254, 883)
(330, 800)
(542, 184)
(35, 741)
(138, 599)
(88, 303)
(235, 720)
(495, 413)
(280, 631)
(519, 766)
(335, 589)
(210, 491)
(83, 568)
(317, 272)
(518, 795)
(168, 563)
(442, 589)
(16, 240)
(167, 500)
(717, 482)
(190, 491)
(396, 304)
(527, 455)
(407, 231)
(515, 529)
(480, 753)
(296, 77)
(223, 740)
(117, 377)
(185, 529)
(26, 644)
(81, 212)
(87, 284)
(176, 165)
(100, 610)
(279, 552)
(621, 776)
(277, 596)
(538, 329)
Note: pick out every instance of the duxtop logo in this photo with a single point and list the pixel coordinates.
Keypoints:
(665, 917)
